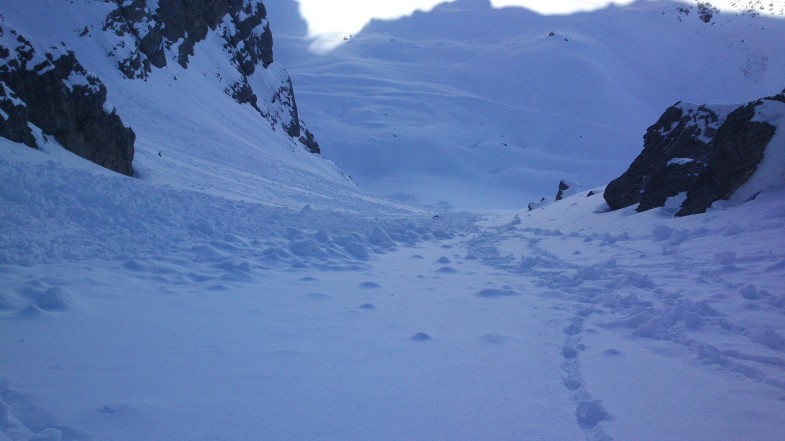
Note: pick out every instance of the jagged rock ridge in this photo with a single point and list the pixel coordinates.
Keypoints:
(695, 155)
(144, 36)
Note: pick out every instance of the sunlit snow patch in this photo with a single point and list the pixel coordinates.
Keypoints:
(333, 23)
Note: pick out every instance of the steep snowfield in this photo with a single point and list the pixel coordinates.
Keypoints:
(242, 289)
(479, 107)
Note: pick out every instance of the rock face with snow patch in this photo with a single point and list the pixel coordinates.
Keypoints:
(49, 88)
(144, 33)
(695, 155)
(566, 188)
(140, 42)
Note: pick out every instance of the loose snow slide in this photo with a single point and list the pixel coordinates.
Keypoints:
(133, 311)
(239, 288)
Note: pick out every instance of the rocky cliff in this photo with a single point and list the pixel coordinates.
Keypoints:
(145, 31)
(696, 155)
(43, 84)
(48, 87)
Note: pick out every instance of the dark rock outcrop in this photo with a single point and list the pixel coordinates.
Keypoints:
(702, 153)
(143, 34)
(244, 22)
(13, 124)
(50, 89)
(140, 37)
(307, 139)
(566, 188)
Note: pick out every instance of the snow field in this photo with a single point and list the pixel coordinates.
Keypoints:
(293, 357)
(655, 299)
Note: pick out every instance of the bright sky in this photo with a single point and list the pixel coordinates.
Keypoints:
(329, 22)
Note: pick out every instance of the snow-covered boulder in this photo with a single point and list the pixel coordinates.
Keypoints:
(45, 85)
(696, 155)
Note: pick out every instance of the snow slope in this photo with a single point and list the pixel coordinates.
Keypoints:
(242, 289)
(478, 107)
(129, 310)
